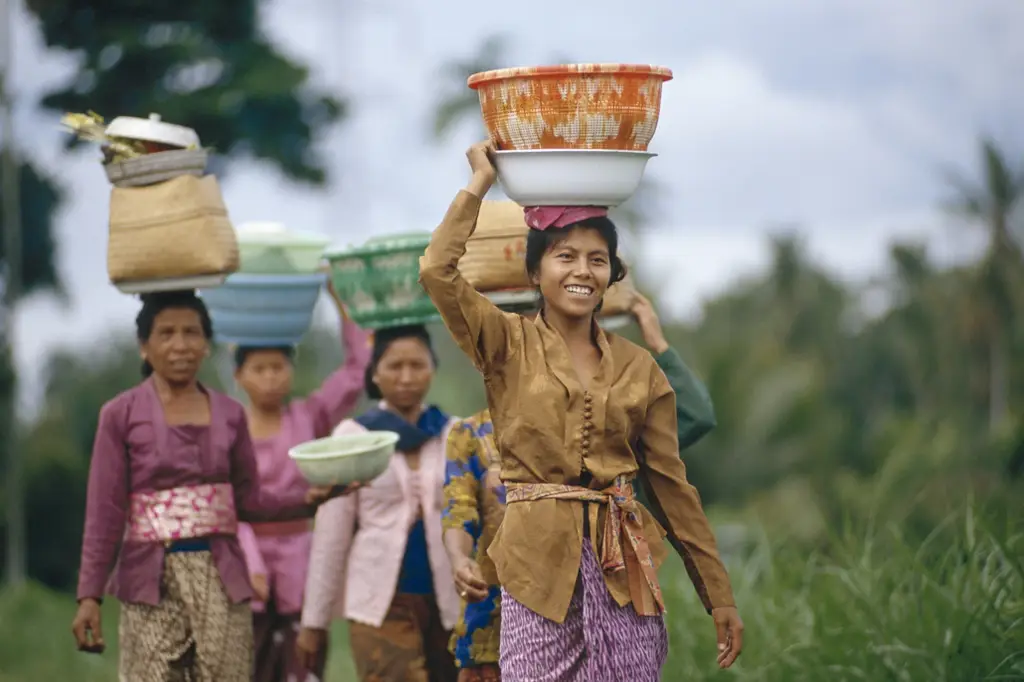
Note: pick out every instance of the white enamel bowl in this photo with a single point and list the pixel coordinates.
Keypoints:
(570, 177)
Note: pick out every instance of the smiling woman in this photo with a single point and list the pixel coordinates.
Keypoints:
(578, 414)
(572, 257)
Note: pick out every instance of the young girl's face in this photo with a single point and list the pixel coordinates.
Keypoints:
(266, 377)
(574, 273)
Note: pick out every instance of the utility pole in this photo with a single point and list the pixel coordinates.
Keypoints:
(11, 192)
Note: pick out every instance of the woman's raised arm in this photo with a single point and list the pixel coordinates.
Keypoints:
(482, 331)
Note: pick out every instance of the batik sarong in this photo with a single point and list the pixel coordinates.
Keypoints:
(599, 641)
(195, 633)
(411, 645)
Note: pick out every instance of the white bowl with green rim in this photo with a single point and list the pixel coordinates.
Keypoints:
(342, 460)
(269, 248)
(379, 281)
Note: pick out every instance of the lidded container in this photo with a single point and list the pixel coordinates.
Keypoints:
(161, 136)
(170, 151)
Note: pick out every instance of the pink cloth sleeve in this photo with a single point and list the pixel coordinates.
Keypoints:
(333, 531)
(106, 502)
(253, 560)
(340, 392)
(251, 549)
(325, 582)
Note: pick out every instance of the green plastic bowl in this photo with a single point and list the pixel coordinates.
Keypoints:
(341, 460)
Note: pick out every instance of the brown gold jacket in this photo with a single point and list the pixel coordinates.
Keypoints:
(538, 407)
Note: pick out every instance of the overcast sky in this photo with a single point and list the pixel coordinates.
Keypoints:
(839, 115)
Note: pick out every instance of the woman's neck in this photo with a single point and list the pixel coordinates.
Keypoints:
(409, 414)
(267, 413)
(172, 390)
(575, 330)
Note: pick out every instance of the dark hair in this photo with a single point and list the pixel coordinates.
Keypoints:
(155, 303)
(538, 242)
(382, 340)
(242, 353)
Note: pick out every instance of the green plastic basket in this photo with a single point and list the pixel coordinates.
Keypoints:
(379, 281)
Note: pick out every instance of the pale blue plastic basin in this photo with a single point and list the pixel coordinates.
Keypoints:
(263, 310)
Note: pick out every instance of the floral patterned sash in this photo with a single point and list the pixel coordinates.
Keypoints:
(183, 513)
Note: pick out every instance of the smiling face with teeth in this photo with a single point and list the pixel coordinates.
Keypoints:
(574, 272)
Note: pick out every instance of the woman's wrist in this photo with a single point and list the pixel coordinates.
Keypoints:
(659, 346)
(479, 184)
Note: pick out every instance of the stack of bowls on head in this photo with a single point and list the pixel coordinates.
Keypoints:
(495, 259)
(571, 135)
(270, 301)
(380, 281)
(169, 228)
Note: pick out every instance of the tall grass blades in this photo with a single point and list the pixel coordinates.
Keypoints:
(946, 609)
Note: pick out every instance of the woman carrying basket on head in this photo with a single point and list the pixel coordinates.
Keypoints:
(579, 413)
(277, 553)
(172, 473)
(475, 501)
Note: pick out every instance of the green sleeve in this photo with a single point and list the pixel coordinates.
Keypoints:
(694, 411)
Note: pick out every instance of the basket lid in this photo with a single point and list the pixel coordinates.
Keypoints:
(152, 129)
(407, 241)
(277, 234)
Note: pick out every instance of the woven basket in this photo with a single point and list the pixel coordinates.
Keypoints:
(495, 254)
(379, 281)
(150, 169)
(618, 300)
(572, 106)
(173, 229)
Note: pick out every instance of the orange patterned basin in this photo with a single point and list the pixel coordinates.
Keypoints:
(572, 106)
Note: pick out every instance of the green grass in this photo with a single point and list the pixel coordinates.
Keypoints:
(949, 609)
(865, 607)
(36, 643)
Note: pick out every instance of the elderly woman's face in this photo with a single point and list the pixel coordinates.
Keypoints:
(404, 373)
(176, 346)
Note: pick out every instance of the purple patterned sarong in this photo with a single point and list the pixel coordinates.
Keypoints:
(599, 641)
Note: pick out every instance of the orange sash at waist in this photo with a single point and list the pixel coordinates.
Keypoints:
(623, 519)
